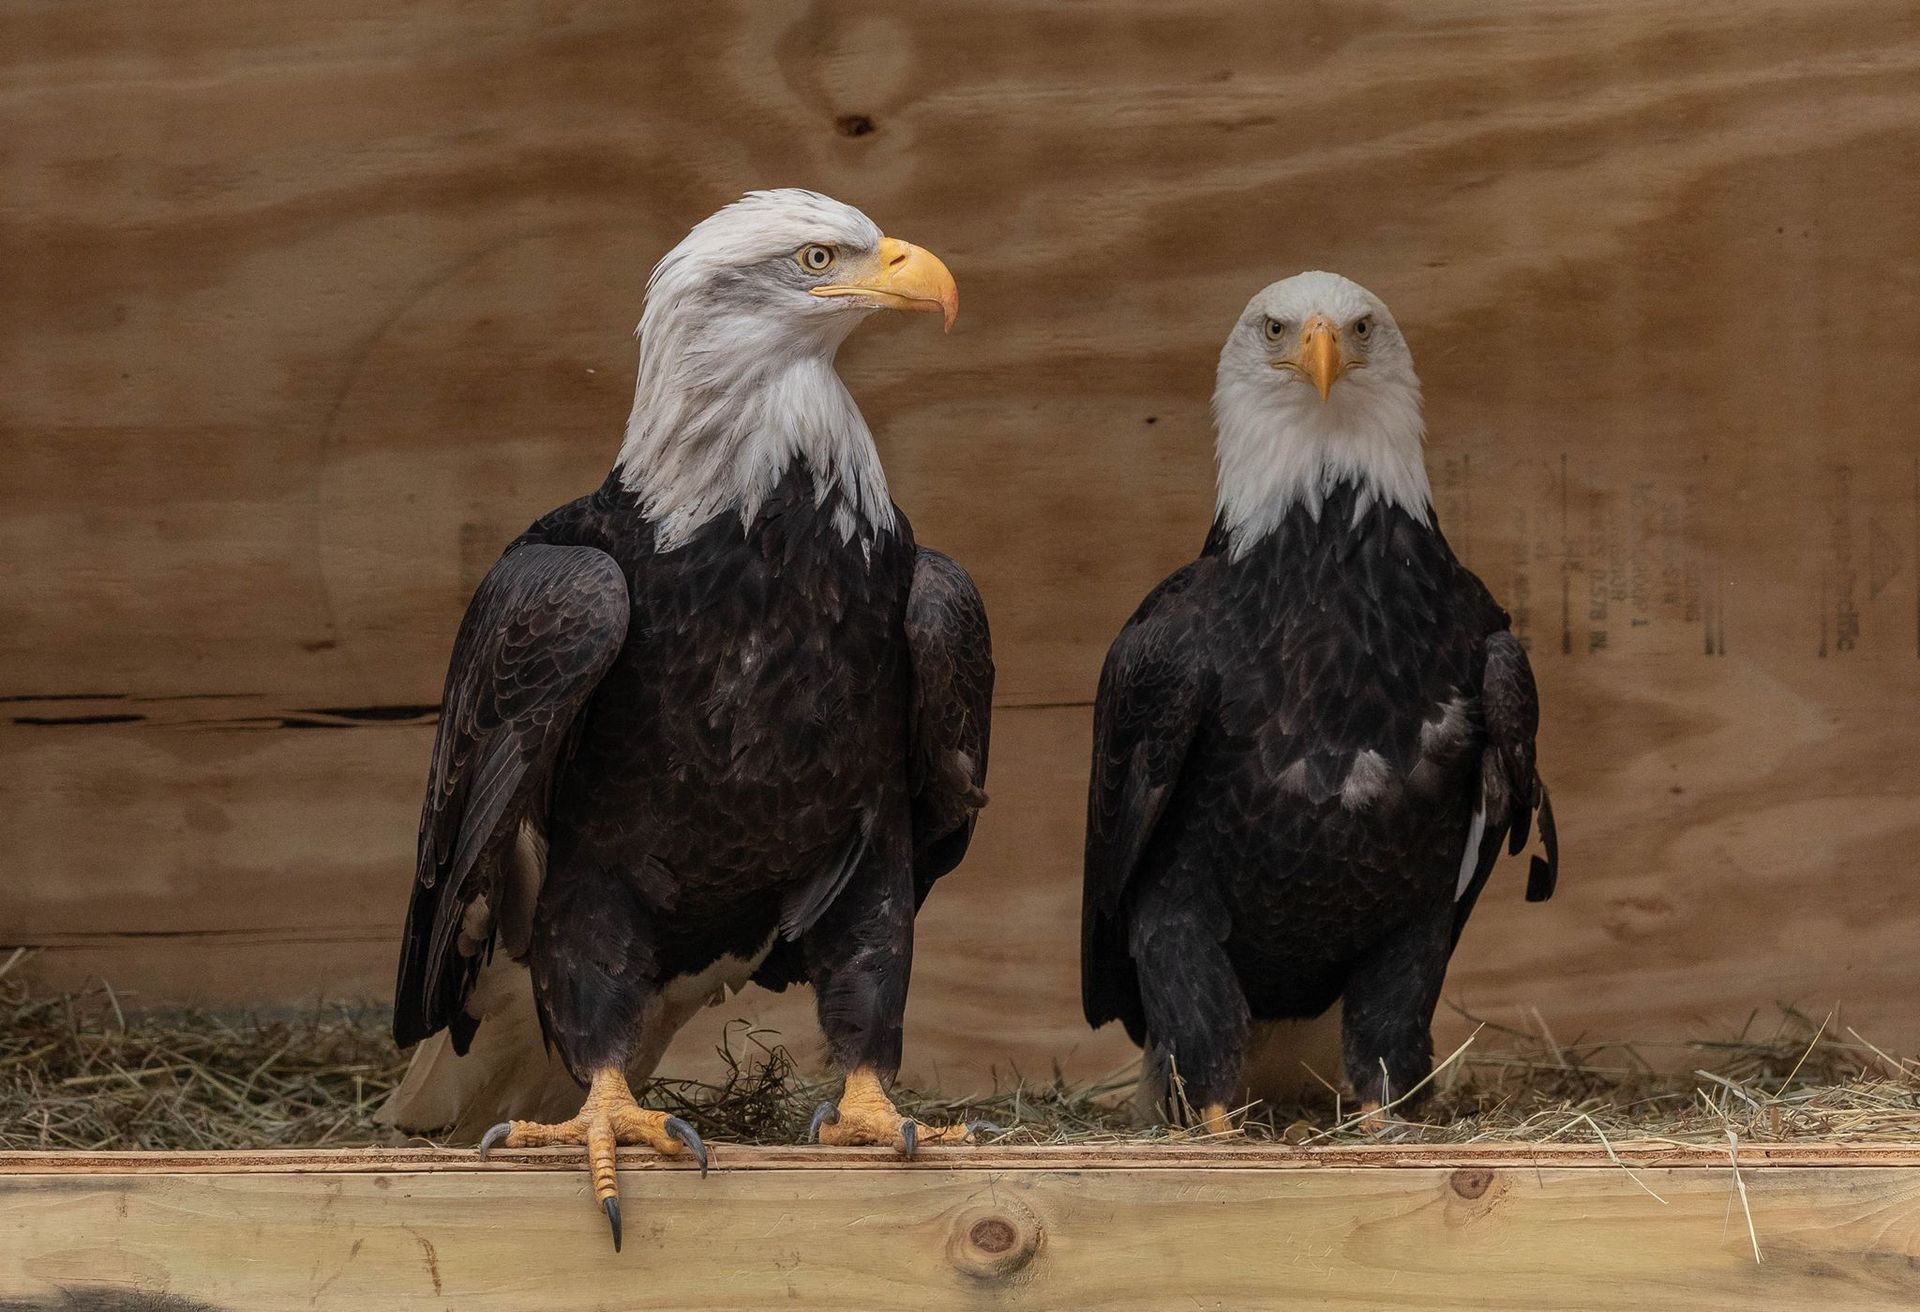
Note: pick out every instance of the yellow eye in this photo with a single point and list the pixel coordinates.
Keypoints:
(1276, 330)
(1363, 326)
(815, 259)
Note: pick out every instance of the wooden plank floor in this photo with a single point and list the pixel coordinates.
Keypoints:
(1652, 1226)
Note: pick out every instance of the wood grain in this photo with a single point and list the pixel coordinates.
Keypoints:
(1106, 1235)
(307, 314)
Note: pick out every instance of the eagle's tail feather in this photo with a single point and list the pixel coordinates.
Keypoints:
(505, 1074)
(1544, 873)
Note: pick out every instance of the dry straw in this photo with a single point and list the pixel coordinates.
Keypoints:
(76, 1072)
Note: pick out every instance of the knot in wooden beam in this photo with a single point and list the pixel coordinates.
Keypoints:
(993, 1241)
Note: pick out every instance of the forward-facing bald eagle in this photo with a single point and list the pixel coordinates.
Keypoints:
(1311, 742)
(722, 719)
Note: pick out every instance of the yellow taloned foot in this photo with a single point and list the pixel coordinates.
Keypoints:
(866, 1115)
(1215, 1119)
(1212, 1121)
(608, 1119)
(1373, 1120)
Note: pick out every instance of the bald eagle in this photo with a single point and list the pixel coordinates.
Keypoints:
(721, 720)
(1311, 743)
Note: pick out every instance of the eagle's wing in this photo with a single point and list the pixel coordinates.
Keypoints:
(540, 632)
(1511, 791)
(1153, 690)
(951, 708)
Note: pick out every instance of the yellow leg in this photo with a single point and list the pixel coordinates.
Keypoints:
(1214, 1119)
(866, 1115)
(1372, 1119)
(608, 1119)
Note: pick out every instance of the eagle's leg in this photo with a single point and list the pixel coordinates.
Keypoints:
(609, 1119)
(866, 1115)
(859, 955)
(1196, 1011)
(592, 957)
(1387, 1010)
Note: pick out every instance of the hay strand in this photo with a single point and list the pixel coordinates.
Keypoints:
(78, 1071)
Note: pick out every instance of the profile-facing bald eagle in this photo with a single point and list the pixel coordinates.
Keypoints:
(719, 720)
(1311, 742)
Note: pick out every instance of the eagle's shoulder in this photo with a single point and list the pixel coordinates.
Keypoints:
(609, 518)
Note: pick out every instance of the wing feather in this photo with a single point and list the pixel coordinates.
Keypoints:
(541, 631)
(1153, 688)
(952, 708)
(1511, 791)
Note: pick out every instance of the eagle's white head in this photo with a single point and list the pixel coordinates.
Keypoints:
(737, 341)
(1316, 387)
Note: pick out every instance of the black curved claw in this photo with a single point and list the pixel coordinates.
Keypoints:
(909, 1138)
(825, 1114)
(978, 1128)
(494, 1136)
(689, 1136)
(612, 1209)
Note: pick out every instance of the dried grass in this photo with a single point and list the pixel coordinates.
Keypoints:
(77, 1074)
(1782, 1079)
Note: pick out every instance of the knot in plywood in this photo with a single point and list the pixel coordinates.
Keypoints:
(992, 1241)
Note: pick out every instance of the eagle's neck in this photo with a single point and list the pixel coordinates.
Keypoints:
(1274, 457)
(705, 441)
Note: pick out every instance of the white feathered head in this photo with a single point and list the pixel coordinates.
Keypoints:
(737, 342)
(1316, 387)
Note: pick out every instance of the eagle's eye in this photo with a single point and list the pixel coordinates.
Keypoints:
(1363, 326)
(816, 259)
(1276, 329)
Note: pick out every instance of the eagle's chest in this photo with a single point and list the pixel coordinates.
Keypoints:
(1339, 778)
(803, 633)
(757, 710)
(1347, 678)
(783, 645)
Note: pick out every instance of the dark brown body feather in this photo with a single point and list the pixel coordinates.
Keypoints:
(767, 741)
(1289, 750)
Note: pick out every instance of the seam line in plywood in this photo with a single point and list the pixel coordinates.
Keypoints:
(297, 933)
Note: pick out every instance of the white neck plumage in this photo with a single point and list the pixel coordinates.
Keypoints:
(712, 434)
(1278, 452)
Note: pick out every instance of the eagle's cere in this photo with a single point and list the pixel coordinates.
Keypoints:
(719, 720)
(1311, 743)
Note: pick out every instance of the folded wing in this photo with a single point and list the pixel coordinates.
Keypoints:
(951, 709)
(1511, 791)
(541, 631)
(1152, 690)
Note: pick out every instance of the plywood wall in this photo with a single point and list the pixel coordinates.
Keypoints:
(307, 311)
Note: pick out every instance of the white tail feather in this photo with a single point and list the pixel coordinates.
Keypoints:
(507, 1074)
(1288, 1061)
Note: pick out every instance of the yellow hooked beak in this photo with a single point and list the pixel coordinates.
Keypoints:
(902, 277)
(1318, 359)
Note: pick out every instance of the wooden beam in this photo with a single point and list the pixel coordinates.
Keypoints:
(1113, 1228)
(1137, 1155)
